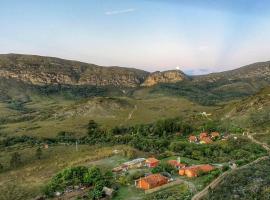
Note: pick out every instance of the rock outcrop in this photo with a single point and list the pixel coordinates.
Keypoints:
(38, 70)
(171, 76)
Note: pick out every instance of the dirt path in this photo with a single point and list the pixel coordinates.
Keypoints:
(216, 182)
(265, 146)
(131, 113)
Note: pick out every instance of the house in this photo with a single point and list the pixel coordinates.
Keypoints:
(151, 162)
(206, 140)
(136, 163)
(151, 181)
(203, 135)
(176, 164)
(192, 138)
(195, 170)
(215, 135)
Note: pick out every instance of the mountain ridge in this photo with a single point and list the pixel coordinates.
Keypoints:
(41, 70)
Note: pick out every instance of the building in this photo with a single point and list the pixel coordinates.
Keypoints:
(195, 170)
(151, 162)
(193, 138)
(151, 181)
(203, 135)
(206, 140)
(176, 164)
(136, 163)
(215, 135)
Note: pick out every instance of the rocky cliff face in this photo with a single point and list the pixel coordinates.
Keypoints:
(40, 70)
(171, 76)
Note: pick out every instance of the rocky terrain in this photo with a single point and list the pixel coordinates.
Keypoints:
(38, 70)
(171, 76)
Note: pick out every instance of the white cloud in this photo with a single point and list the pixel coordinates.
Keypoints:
(116, 12)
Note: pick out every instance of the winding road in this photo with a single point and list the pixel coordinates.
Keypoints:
(216, 182)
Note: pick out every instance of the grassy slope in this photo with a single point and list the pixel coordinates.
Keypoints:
(34, 174)
(52, 115)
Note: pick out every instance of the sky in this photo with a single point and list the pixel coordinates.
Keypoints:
(196, 36)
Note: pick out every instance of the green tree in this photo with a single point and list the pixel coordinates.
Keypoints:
(15, 160)
(92, 127)
(38, 153)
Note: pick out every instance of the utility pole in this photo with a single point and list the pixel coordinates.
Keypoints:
(76, 145)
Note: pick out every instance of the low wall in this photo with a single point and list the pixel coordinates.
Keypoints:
(173, 183)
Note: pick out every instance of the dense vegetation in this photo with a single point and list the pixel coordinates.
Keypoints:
(80, 176)
(247, 184)
(157, 138)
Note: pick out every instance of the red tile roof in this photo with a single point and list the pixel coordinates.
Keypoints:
(202, 135)
(215, 134)
(155, 179)
(207, 140)
(192, 138)
(175, 163)
(151, 160)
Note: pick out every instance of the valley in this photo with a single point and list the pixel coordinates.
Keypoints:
(59, 115)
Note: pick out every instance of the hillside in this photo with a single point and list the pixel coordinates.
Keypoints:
(252, 112)
(172, 76)
(38, 70)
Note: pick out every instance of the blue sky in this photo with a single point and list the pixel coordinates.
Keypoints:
(198, 36)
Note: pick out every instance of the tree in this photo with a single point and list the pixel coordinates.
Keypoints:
(38, 153)
(92, 127)
(15, 160)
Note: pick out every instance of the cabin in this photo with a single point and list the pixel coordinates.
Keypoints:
(203, 135)
(215, 135)
(206, 140)
(194, 171)
(151, 181)
(176, 164)
(193, 138)
(151, 162)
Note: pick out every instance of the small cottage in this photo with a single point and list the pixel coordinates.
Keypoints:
(151, 181)
(215, 135)
(192, 138)
(176, 164)
(193, 171)
(206, 140)
(203, 135)
(151, 162)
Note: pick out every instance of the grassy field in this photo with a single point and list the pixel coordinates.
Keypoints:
(50, 116)
(33, 174)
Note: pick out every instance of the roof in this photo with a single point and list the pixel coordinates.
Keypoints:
(152, 160)
(155, 179)
(192, 138)
(207, 140)
(176, 163)
(215, 134)
(204, 134)
(204, 168)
